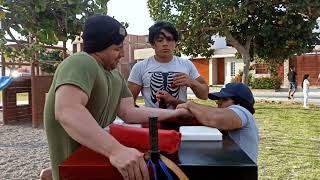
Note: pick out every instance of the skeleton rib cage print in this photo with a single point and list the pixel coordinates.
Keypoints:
(163, 81)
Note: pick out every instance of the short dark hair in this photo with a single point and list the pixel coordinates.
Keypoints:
(306, 76)
(243, 103)
(155, 31)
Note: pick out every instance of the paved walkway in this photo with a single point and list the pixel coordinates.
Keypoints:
(263, 95)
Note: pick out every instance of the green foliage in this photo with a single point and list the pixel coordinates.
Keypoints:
(272, 30)
(50, 67)
(238, 78)
(272, 64)
(266, 83)
(43, 22)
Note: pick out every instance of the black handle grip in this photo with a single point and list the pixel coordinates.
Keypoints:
(153, 136)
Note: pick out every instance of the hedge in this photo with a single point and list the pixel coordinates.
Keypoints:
(266, 83)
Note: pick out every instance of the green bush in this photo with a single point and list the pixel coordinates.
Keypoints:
(266, 83)
(238, 78)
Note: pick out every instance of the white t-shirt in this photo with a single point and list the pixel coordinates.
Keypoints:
(154, 76)
(247, 137)
(306, 84)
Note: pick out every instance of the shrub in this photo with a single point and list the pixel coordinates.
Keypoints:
(266, 83)
(238, 78)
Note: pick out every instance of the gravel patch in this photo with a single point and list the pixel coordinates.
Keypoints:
(23, 151)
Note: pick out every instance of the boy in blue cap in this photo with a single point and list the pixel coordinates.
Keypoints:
(234, 115)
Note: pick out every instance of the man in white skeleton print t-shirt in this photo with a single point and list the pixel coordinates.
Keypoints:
(165, 76)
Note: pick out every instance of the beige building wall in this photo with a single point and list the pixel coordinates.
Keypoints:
(227, 67)
(140, 54)
(213, 69)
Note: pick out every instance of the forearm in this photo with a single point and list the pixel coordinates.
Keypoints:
(142, 114)
(199, 89)
(208, 116)
(81, 126)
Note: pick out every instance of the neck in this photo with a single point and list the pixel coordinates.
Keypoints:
(99, 60)
(163, 59)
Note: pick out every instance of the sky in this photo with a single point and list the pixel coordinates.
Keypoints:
(134, 12)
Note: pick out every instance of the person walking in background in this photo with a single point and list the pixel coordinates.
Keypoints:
(305, 85)
(292, 77)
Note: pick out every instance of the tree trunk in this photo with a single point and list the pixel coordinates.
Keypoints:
(243, 49)
(64, 52)
(246, 61)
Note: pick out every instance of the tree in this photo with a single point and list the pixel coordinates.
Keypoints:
(54, 55)
(43, 22)
(270, 29)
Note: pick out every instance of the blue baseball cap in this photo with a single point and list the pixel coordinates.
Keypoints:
(239, 90)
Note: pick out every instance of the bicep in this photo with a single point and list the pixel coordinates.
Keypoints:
(126, 104)
(135, 89)
(227, 119)
(68, 96)
(234, 121)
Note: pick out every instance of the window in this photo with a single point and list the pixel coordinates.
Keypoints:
(22, 98)
(233, 69)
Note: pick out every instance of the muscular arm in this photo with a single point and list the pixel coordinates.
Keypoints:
(135, 90)
(200, 88)
(74, 117)
(221, 118)
(131, 114)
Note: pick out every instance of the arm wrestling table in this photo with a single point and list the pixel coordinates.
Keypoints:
(199, 160)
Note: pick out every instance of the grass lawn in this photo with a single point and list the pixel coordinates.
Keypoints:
(289, 141)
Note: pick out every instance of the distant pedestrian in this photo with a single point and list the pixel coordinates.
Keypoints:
(292, 77)
(318, 80)
(305, 85)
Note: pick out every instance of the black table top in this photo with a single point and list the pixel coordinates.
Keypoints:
(214, 160)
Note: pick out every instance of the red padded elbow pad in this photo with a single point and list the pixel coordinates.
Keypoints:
(169, 140)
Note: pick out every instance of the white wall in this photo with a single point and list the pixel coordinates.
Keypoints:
(213, 71)
(227, 67)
